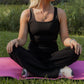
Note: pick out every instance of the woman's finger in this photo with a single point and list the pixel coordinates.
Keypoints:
(11, 47)
(8, 48)
(75, 48)
(71, 46)
(80, 49)
(73, 42)
(16, 44)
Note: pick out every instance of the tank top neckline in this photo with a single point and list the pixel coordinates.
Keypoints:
(46, 21)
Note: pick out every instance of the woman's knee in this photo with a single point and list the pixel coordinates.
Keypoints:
(72, 51)
(15, 49)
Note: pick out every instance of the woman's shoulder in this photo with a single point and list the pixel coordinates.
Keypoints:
(25, 14)
(61, 13)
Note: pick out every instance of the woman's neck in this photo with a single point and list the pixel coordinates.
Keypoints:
(44, 5)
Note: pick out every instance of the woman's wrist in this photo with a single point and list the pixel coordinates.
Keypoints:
(72, 40)
(20, 42)
(16, 40)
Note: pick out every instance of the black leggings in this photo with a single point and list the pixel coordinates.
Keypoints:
(40, 65)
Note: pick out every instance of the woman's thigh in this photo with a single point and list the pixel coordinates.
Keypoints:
(64, 57)
(27, 59)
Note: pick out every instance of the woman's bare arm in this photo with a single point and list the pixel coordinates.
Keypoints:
(63, 28)
(23, 31)
(66, 40)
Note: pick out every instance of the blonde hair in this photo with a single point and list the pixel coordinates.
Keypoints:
(34, 3)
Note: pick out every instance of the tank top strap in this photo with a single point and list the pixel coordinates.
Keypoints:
(55, 13)
(30, 20)
(32, 14)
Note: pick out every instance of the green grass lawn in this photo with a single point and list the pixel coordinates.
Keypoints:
(6, 36)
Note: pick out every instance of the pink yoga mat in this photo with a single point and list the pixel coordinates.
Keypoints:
(9, 68)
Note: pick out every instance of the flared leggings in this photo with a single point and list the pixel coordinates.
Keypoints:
(41, 67)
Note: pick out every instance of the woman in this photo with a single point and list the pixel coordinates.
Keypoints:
(44, 22)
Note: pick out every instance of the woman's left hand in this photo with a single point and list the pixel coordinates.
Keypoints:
(77, 46)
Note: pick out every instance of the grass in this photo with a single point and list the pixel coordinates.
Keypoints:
(6, 36)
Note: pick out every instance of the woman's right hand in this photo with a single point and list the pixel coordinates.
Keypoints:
(10, 45)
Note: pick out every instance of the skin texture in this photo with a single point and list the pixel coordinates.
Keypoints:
(44, 9)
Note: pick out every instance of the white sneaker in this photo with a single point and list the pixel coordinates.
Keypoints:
(66, 72)
(24, 73)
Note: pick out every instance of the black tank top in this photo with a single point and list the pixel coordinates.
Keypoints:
(43, 34)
